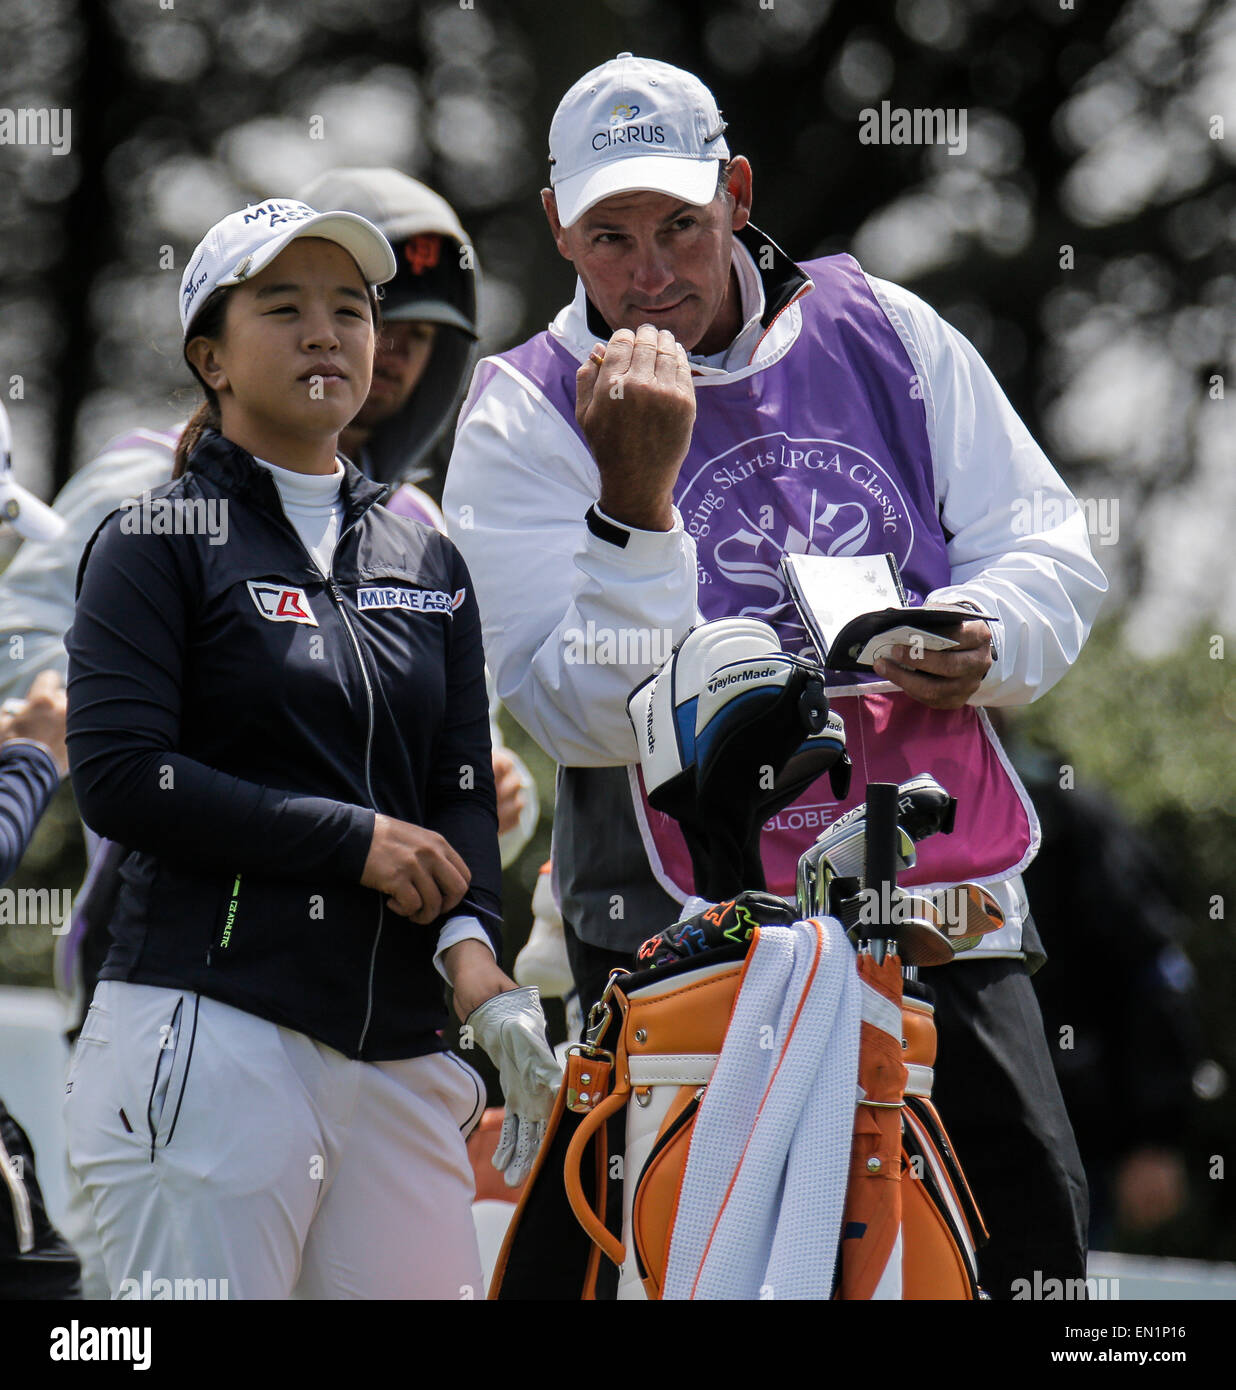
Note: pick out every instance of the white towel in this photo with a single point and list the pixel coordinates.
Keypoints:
(759, 1214)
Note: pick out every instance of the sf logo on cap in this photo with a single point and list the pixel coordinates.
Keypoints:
(623, 112)
(422, 252)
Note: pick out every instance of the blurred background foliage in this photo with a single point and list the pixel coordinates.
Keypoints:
(1083, 241)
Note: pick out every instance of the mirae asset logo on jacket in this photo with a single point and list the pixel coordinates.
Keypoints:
(280, 603)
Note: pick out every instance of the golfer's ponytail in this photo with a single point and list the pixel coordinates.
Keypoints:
(207, 323)
(205, 417)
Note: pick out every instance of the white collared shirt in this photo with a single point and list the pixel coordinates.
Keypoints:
(751, 289)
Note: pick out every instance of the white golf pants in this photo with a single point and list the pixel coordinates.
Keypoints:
(214, 1145)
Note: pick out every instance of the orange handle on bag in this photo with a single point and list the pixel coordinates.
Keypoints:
(594, 1228)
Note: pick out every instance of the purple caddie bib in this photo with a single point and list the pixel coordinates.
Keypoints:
(825, 452)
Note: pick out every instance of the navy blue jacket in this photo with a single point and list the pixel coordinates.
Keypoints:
(235, 720)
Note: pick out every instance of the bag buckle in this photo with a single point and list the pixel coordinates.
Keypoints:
(588, 1072)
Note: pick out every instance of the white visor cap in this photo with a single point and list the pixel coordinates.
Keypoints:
(244, 243)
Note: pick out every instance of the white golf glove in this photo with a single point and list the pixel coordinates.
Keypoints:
(511, 1029)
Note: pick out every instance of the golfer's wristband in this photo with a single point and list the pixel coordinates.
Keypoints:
(606, 530)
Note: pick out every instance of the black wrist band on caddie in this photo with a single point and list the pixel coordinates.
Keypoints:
(605, 530)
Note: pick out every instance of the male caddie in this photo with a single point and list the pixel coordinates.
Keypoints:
(703, 406)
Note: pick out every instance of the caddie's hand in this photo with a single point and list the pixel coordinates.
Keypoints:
(511, 1029)
(943, 680)
(422, 875)
(635, 402)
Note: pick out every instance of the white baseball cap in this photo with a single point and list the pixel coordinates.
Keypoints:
(246, 242)
(634, 124)
(31, 519)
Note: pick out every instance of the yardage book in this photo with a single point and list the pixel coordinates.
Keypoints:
(854, 607)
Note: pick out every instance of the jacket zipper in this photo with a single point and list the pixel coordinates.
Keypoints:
(22, 1216)
(336, 595)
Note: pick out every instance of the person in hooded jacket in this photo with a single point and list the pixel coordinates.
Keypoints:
(429, 331)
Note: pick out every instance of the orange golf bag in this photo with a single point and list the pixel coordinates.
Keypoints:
(596, 1219)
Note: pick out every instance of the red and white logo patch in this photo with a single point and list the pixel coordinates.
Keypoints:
(280, 604)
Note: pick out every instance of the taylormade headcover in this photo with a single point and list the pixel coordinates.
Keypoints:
(719, 727)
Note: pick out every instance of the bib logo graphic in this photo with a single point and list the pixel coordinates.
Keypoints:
(776, 495)
(279, 604)
(415, 600)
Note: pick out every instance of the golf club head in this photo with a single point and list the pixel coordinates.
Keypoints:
(915, 926)
(923, 808)
(818, 871)
(814, 884)
(919, 935)
(844, 842)
(970, 912)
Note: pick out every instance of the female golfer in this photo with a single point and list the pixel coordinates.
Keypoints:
(277, 704)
